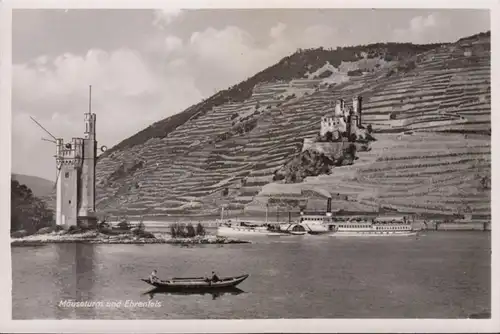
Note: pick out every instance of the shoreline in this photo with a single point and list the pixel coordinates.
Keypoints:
(431, 226)
(93, 237)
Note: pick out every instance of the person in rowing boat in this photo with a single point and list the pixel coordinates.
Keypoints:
(215, 278)
(153, 278)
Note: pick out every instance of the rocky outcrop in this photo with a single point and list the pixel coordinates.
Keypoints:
(317, 159)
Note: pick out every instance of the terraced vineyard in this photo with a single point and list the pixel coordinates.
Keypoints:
(228, 154)
(422, 172)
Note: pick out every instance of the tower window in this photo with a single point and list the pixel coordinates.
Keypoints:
(69, 201)
(66, 175)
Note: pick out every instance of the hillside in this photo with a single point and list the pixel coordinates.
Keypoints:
(39, 186)
(28, 212)
(42, 188)
(429, 107)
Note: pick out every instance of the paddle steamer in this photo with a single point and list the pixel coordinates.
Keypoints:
(380, 226)
(352, 226)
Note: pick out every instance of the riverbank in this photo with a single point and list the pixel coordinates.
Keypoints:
(211, 224)
(95, 237)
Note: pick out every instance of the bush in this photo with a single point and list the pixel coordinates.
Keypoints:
(353, 73)
(145, 234)
(178, 230)
(103, 226)
(186, 231)
(325, 74)
(74, 230)
(19, 234)
(173, 231)
(124, 225)
(200, 230)
(190, 231)
(388, 57)
(45, 230)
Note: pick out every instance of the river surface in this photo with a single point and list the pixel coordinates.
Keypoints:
(438, 275)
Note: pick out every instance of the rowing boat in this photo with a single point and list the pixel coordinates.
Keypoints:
(214, 293)
(196, 283)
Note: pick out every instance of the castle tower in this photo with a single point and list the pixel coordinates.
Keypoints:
(354, 121)
(338, 109)
(86, 209)
(69, 162)
(348, 125)
(76, 163)
(357, 107)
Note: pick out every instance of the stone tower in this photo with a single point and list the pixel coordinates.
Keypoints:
(357, 102)
(76, 161)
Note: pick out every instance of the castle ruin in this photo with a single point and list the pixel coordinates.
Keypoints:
(343, 121)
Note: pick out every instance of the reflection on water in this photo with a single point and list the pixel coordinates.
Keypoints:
(214, 294)
(440, 275)
(74, 276)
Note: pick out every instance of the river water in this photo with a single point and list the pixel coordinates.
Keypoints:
(438, 275)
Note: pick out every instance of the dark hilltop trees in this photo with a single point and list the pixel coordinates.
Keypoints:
(28, 213)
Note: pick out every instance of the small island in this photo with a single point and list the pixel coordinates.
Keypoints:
(123, 233)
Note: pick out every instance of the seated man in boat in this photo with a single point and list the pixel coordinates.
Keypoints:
(153, 278)
(215, 278)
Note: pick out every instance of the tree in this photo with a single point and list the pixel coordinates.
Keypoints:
(173, 231)
(27, 211)
(329, 136)
(200, 230)
(190, 231)
(485, 183)
(369, 129)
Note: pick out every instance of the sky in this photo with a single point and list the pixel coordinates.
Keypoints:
(145, 65)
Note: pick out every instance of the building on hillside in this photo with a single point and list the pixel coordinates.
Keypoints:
(76, 161)
(343, 121)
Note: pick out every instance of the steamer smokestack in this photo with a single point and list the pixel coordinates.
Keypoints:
(329, 207)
